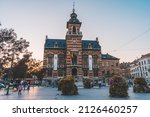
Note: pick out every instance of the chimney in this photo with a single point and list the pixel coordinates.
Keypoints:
(46, 37)
(97, 39)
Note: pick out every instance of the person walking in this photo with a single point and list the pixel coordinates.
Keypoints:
(100, 83)
(28, 88)
(7, 88)
(19, 89)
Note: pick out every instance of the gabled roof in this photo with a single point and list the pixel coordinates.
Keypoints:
(109, 57)
(61, 43)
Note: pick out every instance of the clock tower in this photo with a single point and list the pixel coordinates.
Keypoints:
(74, 47)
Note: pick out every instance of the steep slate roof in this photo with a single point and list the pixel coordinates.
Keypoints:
(49, 43)
(94, 44)
(108, 56)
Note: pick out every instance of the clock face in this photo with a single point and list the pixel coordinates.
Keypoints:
(74, 41)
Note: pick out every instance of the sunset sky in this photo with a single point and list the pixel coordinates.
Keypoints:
(122, 26)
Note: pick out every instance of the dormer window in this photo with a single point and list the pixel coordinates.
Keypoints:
(90, 46)
(56, 45)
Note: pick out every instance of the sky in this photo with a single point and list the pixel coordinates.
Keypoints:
(122, 26)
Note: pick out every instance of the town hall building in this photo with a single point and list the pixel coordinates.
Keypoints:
(72, 56)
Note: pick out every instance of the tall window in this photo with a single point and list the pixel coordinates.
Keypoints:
(85, 72)
(95, 58)
(85, 60)
(146, 74)
(61, 60)
(74, 59)
(60, 72)
(95, 73)
(74, 30)
(50, 60)
(117, 64)
(49, 73)
(148, 61)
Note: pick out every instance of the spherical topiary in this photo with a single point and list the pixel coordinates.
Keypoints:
(87, 83)
(118, 87)
(140, 86)
(68, 86)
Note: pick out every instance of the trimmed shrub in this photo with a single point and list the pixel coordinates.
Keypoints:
(68, 86)
(59, 82)
(118, 87)
(87, 83)
(140, 86)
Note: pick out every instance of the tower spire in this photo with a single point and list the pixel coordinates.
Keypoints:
(73, 6)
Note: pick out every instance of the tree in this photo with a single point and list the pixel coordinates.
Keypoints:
(35, 68)
(21, 68)
(11, 49)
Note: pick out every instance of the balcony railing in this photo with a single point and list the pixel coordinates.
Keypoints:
(60, 66)
(85, 66)
(50, 66)
(71, 33)
(94, 66)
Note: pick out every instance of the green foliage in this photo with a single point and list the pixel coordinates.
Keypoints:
(68, 87)
(140, 86)
(11, 49)
(21, 67)
(118, 87)
(87, 83)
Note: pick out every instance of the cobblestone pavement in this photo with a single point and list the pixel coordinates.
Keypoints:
(48, 93)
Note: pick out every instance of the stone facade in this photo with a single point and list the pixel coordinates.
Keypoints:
(110, 65)
(141, 67)
(72, 56)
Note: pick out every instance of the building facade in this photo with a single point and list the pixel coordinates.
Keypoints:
(110, 65)
(142, 67)
(125, 70)
(72, 56)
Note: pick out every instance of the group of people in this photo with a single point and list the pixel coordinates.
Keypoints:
(22, 86)
(99, 83)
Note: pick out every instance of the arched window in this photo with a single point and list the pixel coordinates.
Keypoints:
(85, 60)
(95, 58)
(50, 59)
(74, 30)
(61, 60)
(74, 59)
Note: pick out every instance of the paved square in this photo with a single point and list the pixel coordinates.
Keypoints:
(48, 93)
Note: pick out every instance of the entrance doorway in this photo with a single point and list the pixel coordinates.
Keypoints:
(74, 72)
